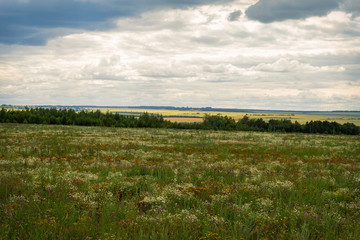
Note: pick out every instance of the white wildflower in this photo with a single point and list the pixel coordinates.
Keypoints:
(18, 198)
(154, 200)
(286, 185)
(264, 202)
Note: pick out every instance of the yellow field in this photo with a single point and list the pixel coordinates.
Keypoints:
(183, 119)
(196, 116)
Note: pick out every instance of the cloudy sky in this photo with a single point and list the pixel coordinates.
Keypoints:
(261, 54)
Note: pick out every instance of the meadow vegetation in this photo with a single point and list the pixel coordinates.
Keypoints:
(77, 182)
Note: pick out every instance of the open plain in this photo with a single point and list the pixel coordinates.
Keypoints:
(71, 182)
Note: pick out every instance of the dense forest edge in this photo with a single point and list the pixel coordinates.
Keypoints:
(146, 120)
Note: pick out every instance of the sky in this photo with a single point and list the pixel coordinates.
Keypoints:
(252, 54)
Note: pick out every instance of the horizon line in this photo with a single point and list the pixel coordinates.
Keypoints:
(174, 107)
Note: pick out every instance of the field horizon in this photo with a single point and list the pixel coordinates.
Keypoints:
(194, 114)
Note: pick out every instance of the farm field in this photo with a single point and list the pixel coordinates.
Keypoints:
(71, 182)
(197, 115)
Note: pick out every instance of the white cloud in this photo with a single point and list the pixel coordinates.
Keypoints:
(294, 66)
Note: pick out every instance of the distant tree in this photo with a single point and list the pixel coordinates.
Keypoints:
(3, 115)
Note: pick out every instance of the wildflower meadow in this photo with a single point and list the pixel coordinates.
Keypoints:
(72, 182)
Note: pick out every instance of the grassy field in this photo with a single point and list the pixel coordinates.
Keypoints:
(69, 182)
(196, 116)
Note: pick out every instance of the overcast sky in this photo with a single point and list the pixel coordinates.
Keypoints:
(259, 54)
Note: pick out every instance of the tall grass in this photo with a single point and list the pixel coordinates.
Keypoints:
(68, 182)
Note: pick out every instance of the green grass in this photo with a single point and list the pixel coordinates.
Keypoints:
(69, 182)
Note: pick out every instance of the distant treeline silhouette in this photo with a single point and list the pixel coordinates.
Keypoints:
(146, 120)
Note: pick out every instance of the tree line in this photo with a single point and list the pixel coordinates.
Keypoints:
(146, 120)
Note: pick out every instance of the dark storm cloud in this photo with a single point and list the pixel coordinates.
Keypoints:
(351, 6)
(27, 21)
(234, 16)
(267, 11)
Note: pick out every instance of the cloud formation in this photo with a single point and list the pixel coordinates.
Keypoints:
(234, 16)
(191, 56)
(267, 11)
(30, 21)
(33, 22)
(351, 6)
